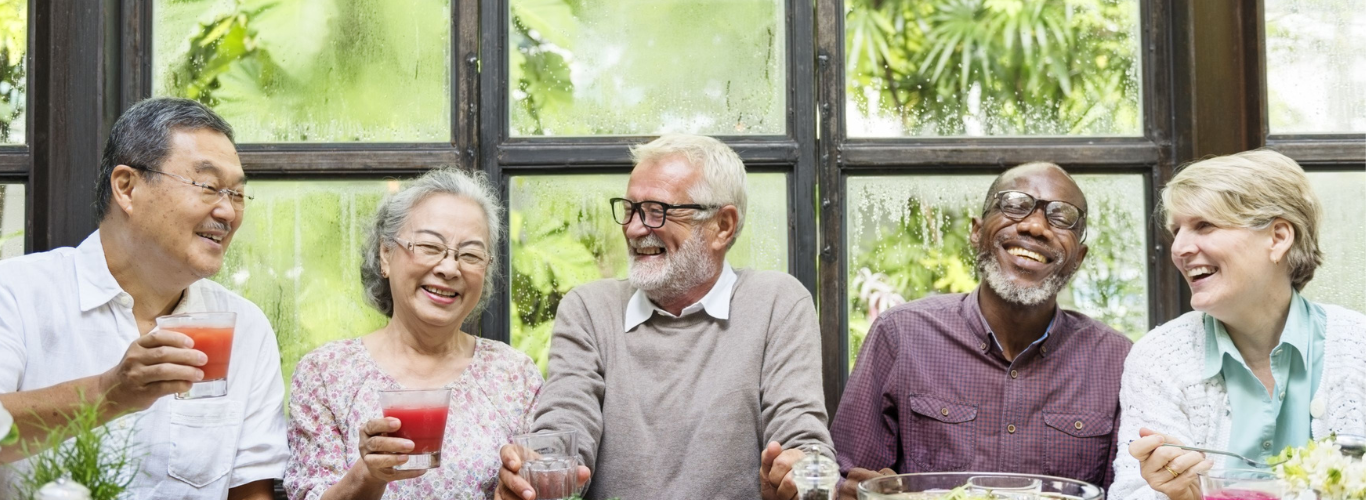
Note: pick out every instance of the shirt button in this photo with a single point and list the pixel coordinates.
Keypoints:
(1282, 394)
(1014, 374)
(982, 346)
(1010, 428)
(1044, 349)
(944, 411)
(1277, 352)
(1078, 425)
(1266, 445)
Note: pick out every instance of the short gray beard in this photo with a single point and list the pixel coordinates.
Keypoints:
(679, 272)
(990, 271)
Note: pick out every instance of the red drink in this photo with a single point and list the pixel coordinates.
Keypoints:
(216, 344)
(1237, 494)
(425, 427)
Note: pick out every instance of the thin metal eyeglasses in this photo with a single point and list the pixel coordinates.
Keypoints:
(209, 194)
(1018, 205)
(652, 213)
(431, 254)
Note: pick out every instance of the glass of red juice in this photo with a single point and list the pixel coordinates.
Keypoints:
(422, 419)
(1241, 484)
(212, 335)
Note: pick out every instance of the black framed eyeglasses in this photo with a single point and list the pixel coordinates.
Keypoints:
(209, 194)
(652, 213)
(1018, 205)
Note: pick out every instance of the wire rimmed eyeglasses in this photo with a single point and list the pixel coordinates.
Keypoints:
(209, 194)
(652, 213)
(431, 253)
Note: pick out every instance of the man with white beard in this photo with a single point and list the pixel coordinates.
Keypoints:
(691, 379)
(1001, 379)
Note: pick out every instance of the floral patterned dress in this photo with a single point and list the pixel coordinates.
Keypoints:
(335, 391)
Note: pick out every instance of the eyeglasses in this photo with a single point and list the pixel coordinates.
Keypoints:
(431, 254)
(652, 213)
(209, 194)
(1017, 205)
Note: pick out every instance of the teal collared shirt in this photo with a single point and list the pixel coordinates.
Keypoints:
(1265, 424)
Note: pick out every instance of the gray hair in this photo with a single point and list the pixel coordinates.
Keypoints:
(393, 212)
(723, 174)
(1251, 190)
(141, 138)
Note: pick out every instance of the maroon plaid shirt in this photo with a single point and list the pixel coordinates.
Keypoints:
(932, 392)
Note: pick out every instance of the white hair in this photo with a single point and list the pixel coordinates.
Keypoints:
(723, 174)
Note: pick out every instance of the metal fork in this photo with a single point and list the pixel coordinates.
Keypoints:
(1245, 460)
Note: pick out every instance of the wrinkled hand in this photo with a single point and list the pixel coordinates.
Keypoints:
(379, 454)
(849, 489)
(512, 486)
(159, 363)
(1170, 471)
(775, 472)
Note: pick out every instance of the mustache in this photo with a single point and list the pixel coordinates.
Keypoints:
(1047, 251)
(214, 226)
(649, 240)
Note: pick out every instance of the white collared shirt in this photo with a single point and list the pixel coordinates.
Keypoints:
(716, 302)
(63, 316)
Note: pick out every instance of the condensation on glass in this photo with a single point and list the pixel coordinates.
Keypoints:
(297, 256)
(953, 68)
(1315, 66)
(645, 67)
(310, 71)
(908, 238)
(1341, 279)
(13, 70)
(561, 234)
(11, 220)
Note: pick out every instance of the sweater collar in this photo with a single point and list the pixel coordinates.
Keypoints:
(716, 303)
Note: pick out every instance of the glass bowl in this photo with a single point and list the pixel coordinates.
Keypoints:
(976, 485)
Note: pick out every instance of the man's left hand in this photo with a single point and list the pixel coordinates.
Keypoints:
(775, 472)
(849, 490)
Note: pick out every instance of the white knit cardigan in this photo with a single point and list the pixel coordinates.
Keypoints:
(1163, 389)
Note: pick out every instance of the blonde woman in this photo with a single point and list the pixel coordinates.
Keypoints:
(1256, 366)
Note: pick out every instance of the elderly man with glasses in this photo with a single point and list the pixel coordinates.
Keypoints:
(1001, 379)
(77, 325)
(691, 379)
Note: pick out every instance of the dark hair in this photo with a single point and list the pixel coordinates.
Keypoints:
(142, 138)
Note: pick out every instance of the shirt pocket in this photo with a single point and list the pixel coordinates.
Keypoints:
(203, 436)
(1079, 444)
(943, 434)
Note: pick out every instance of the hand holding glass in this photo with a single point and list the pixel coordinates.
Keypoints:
(422, 419)
(212, 333)
(550, 462)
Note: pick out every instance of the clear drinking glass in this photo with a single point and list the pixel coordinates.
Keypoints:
(212, 334)
(816, 475)
(422, 420)
(550, 462)
(1241, 484)
(991, 485)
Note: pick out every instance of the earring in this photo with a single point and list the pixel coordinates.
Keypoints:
(383, 273)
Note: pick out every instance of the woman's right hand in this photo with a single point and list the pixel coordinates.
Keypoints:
(1170, 471)
(379, 454)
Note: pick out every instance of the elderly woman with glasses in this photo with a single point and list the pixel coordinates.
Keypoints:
(428, 264)
(1256, 367)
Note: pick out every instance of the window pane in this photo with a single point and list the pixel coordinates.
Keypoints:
(644, 67)
(13, 71)
(953, 67)
(11, 220)
(1315, 66)
(310, 71)
(1341, 279)
(562, 235)
(297, 256)
(908, 239)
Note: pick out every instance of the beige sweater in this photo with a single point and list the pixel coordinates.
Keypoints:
(680, 408)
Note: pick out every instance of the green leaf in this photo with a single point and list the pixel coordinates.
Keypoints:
(12, 437)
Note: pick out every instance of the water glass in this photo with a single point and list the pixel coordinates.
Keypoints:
(422, 419)
(212, 333)
(550, 462)
(1241, 484)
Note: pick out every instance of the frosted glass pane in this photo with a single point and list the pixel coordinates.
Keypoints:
(297, 256)
(13, 70)
(310, 70)
(645, 67)
(1341, 279)
(908, 238)
(992, 68)
(1315, 66)
(11, 220)
(562, 235)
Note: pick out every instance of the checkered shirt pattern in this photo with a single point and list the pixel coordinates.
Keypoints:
(932, 392)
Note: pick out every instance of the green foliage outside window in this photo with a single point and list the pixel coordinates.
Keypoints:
(13, 72)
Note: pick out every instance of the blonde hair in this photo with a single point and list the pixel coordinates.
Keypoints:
(1252, 189)
(723, 174)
